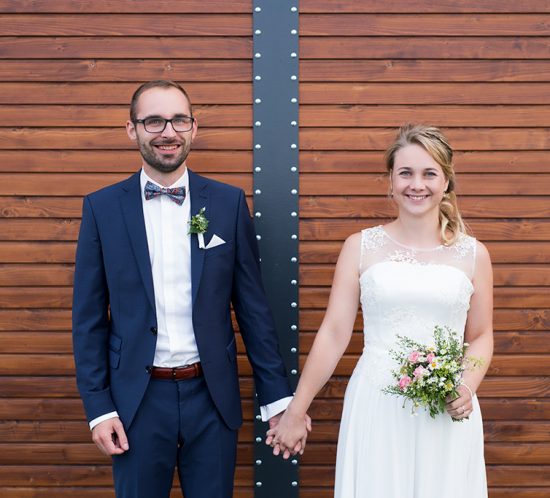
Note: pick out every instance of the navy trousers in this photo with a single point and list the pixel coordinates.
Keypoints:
(177, 425)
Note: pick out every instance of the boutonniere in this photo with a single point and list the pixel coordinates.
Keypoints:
(199, 224)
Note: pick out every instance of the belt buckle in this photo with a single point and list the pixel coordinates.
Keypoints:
(173, 373)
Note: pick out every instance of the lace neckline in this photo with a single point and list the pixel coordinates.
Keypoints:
(410, 248)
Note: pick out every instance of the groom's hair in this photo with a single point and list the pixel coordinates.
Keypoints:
(155, 84)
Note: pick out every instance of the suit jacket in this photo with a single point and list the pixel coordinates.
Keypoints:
(114, 319)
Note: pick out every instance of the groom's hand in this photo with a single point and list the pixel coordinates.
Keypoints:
(279, 440)
(109, 437)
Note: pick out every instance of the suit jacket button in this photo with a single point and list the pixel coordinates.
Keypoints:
(148, 369)
(154, 330)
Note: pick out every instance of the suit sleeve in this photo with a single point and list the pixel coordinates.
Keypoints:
(91, 319)
(254, 316)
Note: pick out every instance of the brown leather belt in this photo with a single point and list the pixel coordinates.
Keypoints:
(177, 373)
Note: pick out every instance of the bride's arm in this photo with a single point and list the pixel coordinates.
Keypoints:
(330, 343)
(479, 332)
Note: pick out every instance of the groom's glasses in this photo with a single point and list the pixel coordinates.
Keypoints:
(157, 125)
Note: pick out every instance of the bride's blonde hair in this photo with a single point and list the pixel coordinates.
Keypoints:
(432, 140)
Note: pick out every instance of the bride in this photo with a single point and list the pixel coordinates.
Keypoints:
(419, 271)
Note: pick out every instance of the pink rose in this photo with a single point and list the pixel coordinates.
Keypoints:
(419, 372)
(430, 357)
(404, 382)
(413, 357)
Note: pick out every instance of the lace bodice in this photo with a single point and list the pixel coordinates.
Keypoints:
(408, 291)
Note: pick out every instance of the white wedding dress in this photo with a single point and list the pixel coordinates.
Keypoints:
(384, 451)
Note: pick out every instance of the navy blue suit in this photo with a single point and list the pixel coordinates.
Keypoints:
(114, 320)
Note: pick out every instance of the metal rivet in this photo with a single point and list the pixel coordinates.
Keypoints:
(293, 305)
(294, 214)
(293, 123)
(294, 169)
(257, 55)
(294, 282)
(258, 32)
(293, 259)
(294, 483)
(293, 327)
(257, 169)
(258, 101)
(258, 9)
(293, 236)
(293, 350)
(293, 54)
(294, 462)
(293, 371)
(258, 484)
(258, 214)
(258, 462)
(258, 439)
(257, 191)
(293, 9)
(293, 32)
(293, 146)
(294, 77)
(257, 77)
(258, 123)
(258, 146)
(258, 237)
(293, 191)
(294, 100)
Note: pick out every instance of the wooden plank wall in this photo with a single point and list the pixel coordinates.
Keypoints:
(480, 70)
(477, 68)
(67, 72)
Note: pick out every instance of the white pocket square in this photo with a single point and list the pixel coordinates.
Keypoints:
(215, 241)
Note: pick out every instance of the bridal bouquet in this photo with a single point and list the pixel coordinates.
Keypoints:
(428, 374)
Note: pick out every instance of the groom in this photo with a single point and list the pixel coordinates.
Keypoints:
(155, 352)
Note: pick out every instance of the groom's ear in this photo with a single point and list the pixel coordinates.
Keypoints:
(131, 130)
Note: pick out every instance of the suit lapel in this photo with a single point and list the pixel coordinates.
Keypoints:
(132, 210)
(198, 189)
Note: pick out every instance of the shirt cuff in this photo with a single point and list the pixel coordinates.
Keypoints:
(269, 411)
(98, 420)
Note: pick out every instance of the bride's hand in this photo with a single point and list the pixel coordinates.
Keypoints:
(289, 435)
(462, 406)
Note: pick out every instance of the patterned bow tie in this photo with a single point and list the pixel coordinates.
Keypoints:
(177, 194)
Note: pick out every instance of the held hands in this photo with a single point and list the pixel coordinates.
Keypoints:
(288, 433)
(109, 437)
(461, 407)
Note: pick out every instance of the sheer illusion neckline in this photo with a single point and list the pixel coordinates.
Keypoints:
(412, 248)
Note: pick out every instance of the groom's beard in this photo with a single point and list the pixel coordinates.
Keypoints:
(162, 162)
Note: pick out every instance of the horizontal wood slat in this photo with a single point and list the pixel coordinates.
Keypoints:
(465, 161)
(409, 47)
(50, 116)
(111, 47)
(170, 25)
(76, 185)
(434, 6)
(106, 161)
(327, 252)
(461, 139)
(422, 93)
(406, 71)
(101, 138)
(116, 93)
(128, 6)
(338, 24)
(350, 116)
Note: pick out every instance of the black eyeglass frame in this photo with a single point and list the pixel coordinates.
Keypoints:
(166, 121)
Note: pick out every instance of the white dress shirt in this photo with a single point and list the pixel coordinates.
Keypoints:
(166, 225)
